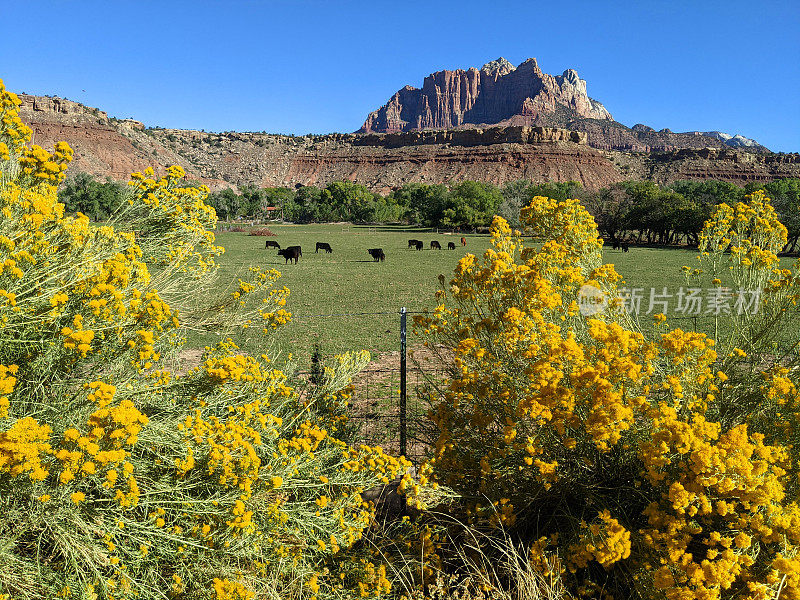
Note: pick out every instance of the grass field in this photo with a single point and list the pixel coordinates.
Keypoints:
(334, 297)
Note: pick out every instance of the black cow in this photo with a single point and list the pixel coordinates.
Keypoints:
(435, 244)
(615, 245)
(291, 252)
(377, 254)
(416, 244)
(625, 246)
(323, 246)
(451, 245)
(271, 244)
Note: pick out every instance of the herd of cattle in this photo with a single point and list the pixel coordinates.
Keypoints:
(295, 252)
(418, 244)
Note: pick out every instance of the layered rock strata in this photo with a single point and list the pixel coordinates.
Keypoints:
(108, 147)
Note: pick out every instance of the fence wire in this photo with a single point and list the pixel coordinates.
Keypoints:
(376, 416)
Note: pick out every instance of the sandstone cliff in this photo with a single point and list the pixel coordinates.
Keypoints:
(386, 161)
(498, 93)
(502, 94)
(109, 147)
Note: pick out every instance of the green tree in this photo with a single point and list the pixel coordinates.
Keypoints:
(471, 204)
(785, 194)
(610, 208)
(253, 201)
(423, 203)
(97, 200)
(279, 197)
(517, 194)
(350, 201)
(226, 203)
(305, 206)
(703, 196)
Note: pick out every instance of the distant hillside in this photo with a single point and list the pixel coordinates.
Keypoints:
(109, 147)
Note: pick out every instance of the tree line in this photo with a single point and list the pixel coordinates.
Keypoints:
(642, 211)
(468, 205)
(637, 211)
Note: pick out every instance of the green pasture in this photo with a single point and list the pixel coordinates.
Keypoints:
(329, 292)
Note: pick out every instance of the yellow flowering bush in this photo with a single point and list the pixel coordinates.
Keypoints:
(122, 477)
(654, 468)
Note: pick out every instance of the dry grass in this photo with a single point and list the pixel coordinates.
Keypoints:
(492, 567)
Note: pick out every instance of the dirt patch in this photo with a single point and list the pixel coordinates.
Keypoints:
(375, 405)
(381, 378)
(188, 359)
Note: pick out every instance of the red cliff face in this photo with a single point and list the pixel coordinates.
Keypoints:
(504, 95)
(498, 93)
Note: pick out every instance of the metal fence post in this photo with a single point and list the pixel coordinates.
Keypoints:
(403, 312)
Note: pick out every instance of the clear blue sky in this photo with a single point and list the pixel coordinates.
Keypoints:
(300, 66)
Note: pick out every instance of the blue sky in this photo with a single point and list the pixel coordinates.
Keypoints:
(303, 66)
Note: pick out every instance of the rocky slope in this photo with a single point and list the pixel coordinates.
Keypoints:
(104, 146)
(501, 94)
(386, 161)
(734, 141)
(109, 147)
(727, 164)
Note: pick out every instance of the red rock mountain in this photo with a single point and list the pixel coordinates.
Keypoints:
(109, 147)
(497, 94)
(504, 95)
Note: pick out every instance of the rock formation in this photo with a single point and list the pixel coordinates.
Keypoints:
(501, 94)
(105, 147)
(734, 141)
(498, 93)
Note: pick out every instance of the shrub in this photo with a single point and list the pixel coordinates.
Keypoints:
(120, 477)
(653, 468)
(262, 231)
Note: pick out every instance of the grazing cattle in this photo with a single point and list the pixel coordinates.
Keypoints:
(291, 252)
(451, 245)
(323, 246)
(615, 245)
(271, 244)
(435, 244)
(377, 254)
(463, 241)
(416, 244)
(625, 246)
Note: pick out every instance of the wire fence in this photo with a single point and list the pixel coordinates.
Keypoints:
(377, 416)
(390, 401)
(388, 406)
(381, 418)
